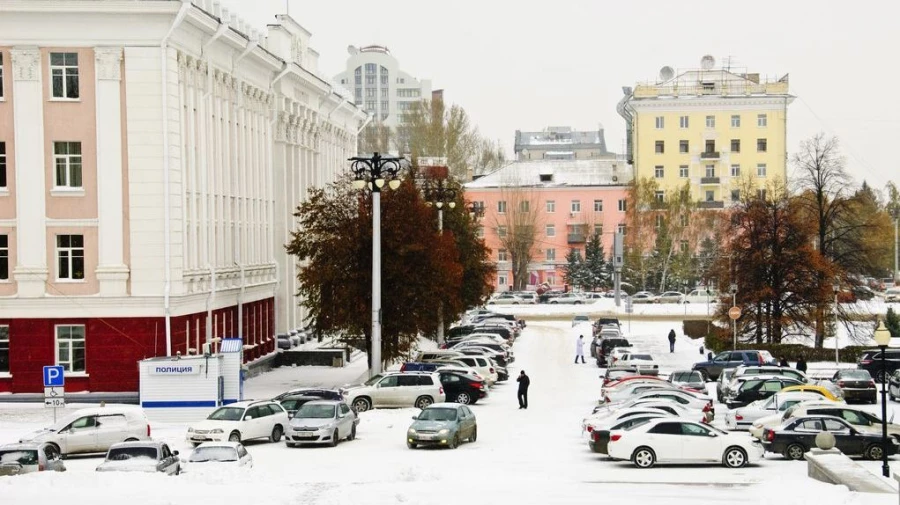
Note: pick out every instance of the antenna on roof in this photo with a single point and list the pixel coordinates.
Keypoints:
(726, 62)
(666, 73)
(707, 62)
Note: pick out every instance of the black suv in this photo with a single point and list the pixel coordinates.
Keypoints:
(608, 344)
(732, 359)
(870, 361)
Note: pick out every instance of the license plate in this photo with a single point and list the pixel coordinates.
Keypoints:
(304, 433)
(427, 437)
(198, 437)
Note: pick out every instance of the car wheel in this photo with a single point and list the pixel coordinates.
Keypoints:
(874, 452)
(423, 401)
(277, 431)
(794, 451)
(411, 445)
(362, 404)
(474, 435)
(880, 376)
(577, 303)
(463, 398)
(178, 470)
(235, 436)
(553, 303)
(352, 433)
(643, 457)
(131, 439)
(454, 442)
(334, 438)
(734, 457)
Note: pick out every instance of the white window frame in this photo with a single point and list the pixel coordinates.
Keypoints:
(684, 171)
(659, 147)
(761, 170)
(621, 228)
(551, 254)
(710, 195)
(576, 206)
(598, 229)
(64, 72)
(69, 364)
(598, 205)
(735, 195)
(735, 120)
(501, 231)
(502, 255)
(501, 207)
(70, 252)
(659, 171)
(479, 232)
(710, 170)
(524, 206)
(623, 205)
(684, 146)
(762, 120)
(761, 193)
(764, 143)
(550, 230)
(551, 206)
(502, 280)
(736, 170)
(684, 122)
(710, 121)
(72, 164)
(659, 196)
(660, 122)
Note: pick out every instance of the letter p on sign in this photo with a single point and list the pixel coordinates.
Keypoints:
(53, 376)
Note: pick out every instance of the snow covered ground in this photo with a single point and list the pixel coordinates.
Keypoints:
(533, 456)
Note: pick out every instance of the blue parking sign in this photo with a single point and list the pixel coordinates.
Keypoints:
(54, 377)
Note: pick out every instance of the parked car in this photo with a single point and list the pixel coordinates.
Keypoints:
(637, 362)
(724, 378)
(460, 388)
(870, 361)
(752, 389)
(743, 418)
(894, 385)
(580, 319)
(292, 404)
(615, 354)
(856, 385)
(423, 356)
(644, 298)
(16, 459)
(322, 422)
(144, 456)
(633, 389)
(283, 341)
(94, 430)
(797, 435)
(741, 373)
(529, 297)
(603, 417)
(692, 401)
(506, 299)
(216, 456)
(856, 416)
(567, 298)
(612, 376)
(240, 421)
(892, 295)
(688, 379)
(826, 389)
(604, 342)
(670, 297)
(325, 394)
(702, 296)
(599, 436)
(396, 389)
(665, 440)
(732, 359)
(442, 424)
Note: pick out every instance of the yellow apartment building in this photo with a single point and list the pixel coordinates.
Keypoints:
(713, 127)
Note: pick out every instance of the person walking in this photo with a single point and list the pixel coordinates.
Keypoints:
(672, 340)
(579, 349)
(784, 362)
(524, 382)
(801, 364)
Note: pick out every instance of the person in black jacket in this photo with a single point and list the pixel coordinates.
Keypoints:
(524, 382)
(801, 364)
(784, 362)
(672, 340)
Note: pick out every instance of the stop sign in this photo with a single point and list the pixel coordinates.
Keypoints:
(734, 313)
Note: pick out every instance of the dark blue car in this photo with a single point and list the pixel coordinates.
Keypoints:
(732, 359)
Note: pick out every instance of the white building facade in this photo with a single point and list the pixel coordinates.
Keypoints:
(151, 156)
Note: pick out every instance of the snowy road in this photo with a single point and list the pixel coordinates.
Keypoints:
(534, 456)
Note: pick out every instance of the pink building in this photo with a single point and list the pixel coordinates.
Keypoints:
(565, 200)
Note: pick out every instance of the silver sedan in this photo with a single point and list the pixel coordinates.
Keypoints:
(322, 422)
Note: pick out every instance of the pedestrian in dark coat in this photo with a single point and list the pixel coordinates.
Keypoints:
(784, 362)
(672, 340)
(801, 364)
(524, 382)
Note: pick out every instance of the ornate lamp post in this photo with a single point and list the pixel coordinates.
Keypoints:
(734, 289)
(836, 288)
(376, 172)
(882, 339)
(895, 215)
(438, 193)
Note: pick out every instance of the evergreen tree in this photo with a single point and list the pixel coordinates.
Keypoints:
(596, 272)
(574, 269)
(892, 323)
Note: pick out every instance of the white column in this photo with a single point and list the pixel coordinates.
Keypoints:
(112, 272)
(31, 270)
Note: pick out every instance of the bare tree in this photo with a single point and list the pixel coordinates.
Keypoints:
(376, 138)
(517, 227)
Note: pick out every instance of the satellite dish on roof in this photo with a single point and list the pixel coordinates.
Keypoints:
(666, 73)
(352, 50)
(707, 62)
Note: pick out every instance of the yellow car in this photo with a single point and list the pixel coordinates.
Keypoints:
(827, 393)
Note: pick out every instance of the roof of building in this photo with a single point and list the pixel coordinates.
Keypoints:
(561, 137)
(556, 173)
(714, 81)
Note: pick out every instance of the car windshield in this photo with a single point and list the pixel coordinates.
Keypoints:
(374, 380)
(315, 412)
(227, 414)
(126, 453)
(438, 415)
(855, 375)
(205, 454)
(23, 457)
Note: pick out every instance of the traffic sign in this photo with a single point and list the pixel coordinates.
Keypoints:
(55, 403)
(54, 392)
(54, 376)
(734, 313)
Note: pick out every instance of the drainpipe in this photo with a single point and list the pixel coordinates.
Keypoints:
(167, 250)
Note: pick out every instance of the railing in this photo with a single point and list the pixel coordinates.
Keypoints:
(709, 155)
(711, 205)
(576, 238)
(709, 180)
(731, 88)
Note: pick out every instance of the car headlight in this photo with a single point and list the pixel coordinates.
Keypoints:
(190, 430)
(216, 431)
(444, 431)
(412, 431)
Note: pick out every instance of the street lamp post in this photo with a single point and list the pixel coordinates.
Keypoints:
(733, 288)
(376, 171)
(882, 339)
(836, 287)
(438, 193)
(895, 214)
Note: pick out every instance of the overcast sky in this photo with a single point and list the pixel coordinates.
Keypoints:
(527, 65)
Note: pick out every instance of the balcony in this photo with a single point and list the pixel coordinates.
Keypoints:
(709, 155)
(576, 238)
(709, 180)
(711, 205)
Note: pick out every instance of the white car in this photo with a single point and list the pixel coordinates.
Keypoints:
(466, 371)
(644, 298)
(322, 422)
(666, 440)
(94, 430)
(615, 354)
(605, 418)
(688, 400)
(506, 299)
(215, 456)
(670, 297)
(702, 296)
(142, 456)
(396, 389)
(569, 298)
(483, 366)
(641, 363)
(744, 417)
(237, 422)
(892, 295)
(629, 391)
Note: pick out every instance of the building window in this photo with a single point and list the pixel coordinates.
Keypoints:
(501, 280)
(762, 120)
(735, 170)
(660, 122)
(551, 254)
(2, 161)
(761, 145)
(370, 105)
(710, 146)
(710, 121)
(1, 75)
(623, 205)
(551, 206)
(683, 171)
(761, 170)
(710, 170)
(370, 80)
(659, 171)
(501, 207)
(761, 194)
(550, 230)
(384, 94)
(598, 205)
(576, 205)
(735, 121)
(524, 206)
(64, 75)
(4, 349)
(358, 80)
(501, 255)
(371, 68)
(384, 105)
(660, 146)
(683, 146)
(621, 229)
(735, 195)
(501, 231)
(684, 220)
(4, 257)
(480, 232)
(598, 229)
(70, 347)
(684, 122)
(710, 196)
(735, 145)
(370, 92)
(660, 196)
(684, 246)
(659, 221)
(70, 256)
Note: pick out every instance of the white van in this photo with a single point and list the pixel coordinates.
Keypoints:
(94, 429)
(702, 296)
